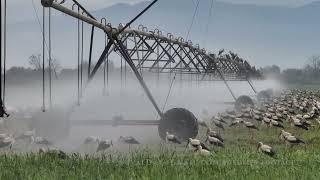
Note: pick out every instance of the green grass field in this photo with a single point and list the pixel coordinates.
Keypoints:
(238, 160)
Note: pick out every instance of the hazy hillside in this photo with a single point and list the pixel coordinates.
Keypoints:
(263, 34)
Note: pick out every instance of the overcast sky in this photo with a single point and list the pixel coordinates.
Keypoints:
(97, 3)
(18, 7)
(21, 10)
(101, 3)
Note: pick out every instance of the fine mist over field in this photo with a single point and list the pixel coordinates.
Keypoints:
(204, 99)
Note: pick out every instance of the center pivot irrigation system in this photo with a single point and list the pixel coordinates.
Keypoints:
(152, 51)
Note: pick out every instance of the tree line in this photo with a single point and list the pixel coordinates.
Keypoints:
(308, 74)
(18, 75)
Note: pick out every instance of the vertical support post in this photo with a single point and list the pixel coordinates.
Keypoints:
(4, 54)
(50, 61)
(2, 96)
(107, 90)
(142, 55)
(137, 50)
(81, 61)
(158, 66)
(125, 67)
(198, 80)
(121, 75)
(78, 62)
(181, 83)
(43, 59)
(1, 102)
(104, 67)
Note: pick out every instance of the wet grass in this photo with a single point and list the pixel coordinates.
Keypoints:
(239, 160)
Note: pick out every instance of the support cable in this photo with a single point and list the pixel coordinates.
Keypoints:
(134, 19)
(208, 24)
(170, 88)
(39, 22)
(188, 33)
(193, 18)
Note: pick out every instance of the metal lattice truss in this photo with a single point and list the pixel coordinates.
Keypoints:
(157, 53)
(154, 52)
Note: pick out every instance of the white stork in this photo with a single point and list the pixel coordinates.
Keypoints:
(103, 145)
(128, 140)
(266, 149)
(201, 151)
(172, 138)
(214, 141)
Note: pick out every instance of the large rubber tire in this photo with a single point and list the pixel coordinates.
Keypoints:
(243, 100)
(52, 124)
(179, 122)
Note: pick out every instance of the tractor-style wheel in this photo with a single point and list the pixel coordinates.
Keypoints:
(180, 122)
(243, 101)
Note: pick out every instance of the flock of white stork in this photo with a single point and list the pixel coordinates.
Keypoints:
(296, 108)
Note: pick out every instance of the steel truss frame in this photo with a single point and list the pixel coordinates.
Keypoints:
(155, 52)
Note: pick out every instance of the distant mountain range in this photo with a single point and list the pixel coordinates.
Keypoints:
(264, 35)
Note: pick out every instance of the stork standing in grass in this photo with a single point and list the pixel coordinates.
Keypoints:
(218, 124)
(235, 122)
(91, 143)
(266, 149)
(172, 138)
(214, 141)
(103, 145)
(53, 153)
(276, 124)
(292, 140)
(195, 143)
(128, 140)
(284, 134)
(42, 141)
(27, 135)
(297, 123)
(90, 140)
(3, 135)
(203, 123)
(214, 134)
(201, 151)
(7, 141)
(250, 126)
